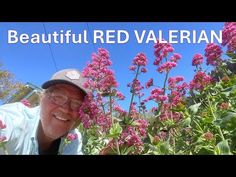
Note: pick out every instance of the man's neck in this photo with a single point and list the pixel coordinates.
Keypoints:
(46, 144)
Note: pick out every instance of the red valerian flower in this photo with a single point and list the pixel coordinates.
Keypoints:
(208, 136)
(213, 53)
(229, 36)
(26, 102)
(197, 59)
(72, 136)
(2, 126)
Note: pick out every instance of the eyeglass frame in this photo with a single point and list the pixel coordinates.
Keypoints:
(49, 93)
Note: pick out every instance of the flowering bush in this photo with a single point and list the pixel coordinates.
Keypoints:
(2, 137)
(189, 118)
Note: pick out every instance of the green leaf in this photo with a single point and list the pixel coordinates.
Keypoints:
(164, 148)
(127, 150)
(194, 108)
(151, 137)
(232, 61)
(208, 119)
(3, 144)
(223, 148)
(228, 120)
(205, 150)
(186, 122)
(231, 55)
(115, 131)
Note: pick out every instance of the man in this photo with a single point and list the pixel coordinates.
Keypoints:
(45, 129)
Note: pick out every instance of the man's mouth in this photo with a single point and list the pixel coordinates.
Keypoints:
(61, 118)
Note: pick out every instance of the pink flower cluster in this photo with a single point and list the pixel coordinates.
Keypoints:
(161, 136)
(133, 111)
(173, 81)
(182, 88)
(167, 113)
(208, 136)
(130, 137)
(166, 67)
(175, 97)
(157, 95)
(26, 102)
(200, 81)
(136, 86)
(2, 126)
(141, 126)
(149, 83)
(229, 36)
(161, 50)
(175, 58)
(224, 106)
(177, 91)
(99, 76)
(140, 60)
(121, 111)
(213, 53)
(133, 135)
(120, 96)
(197, 59)
(72, 136)
(91, 114)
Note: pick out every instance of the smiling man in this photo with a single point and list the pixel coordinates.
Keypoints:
(44, 129)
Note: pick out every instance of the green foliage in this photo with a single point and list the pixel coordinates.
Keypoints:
(8, 84)
(115, 131)
(205, 123)
(223, 148)
(194, 108)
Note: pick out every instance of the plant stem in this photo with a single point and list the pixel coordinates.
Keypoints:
(139, 108)
(173, 145)
(103, 108)
(221, 134)
(132, 96)
(117, 147)
(199, 127)
(110, 102)
(5, 150)
(211, 109)
(116, 139)
(218, 127)
(164, 86)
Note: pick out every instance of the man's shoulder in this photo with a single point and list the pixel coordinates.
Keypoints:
(74, 147)
(17, 109)
(11, 108)
(13, 105)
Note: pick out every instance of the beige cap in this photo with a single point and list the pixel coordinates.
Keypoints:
(67, 76)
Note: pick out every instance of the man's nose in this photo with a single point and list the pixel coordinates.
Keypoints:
(66, 108)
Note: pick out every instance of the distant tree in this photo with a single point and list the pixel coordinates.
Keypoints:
(8, 84)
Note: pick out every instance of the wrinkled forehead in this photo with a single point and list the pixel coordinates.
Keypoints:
(67, 89)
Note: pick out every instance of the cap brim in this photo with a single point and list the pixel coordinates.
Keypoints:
(59, 81)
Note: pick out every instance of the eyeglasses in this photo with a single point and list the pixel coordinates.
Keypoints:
(59, 98)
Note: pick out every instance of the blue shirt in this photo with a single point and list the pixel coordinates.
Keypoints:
(21, 131)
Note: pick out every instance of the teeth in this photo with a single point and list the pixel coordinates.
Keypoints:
(60, 118)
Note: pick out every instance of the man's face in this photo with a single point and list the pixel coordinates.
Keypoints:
(59, 109)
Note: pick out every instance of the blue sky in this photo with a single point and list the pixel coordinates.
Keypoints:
(33, 62)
